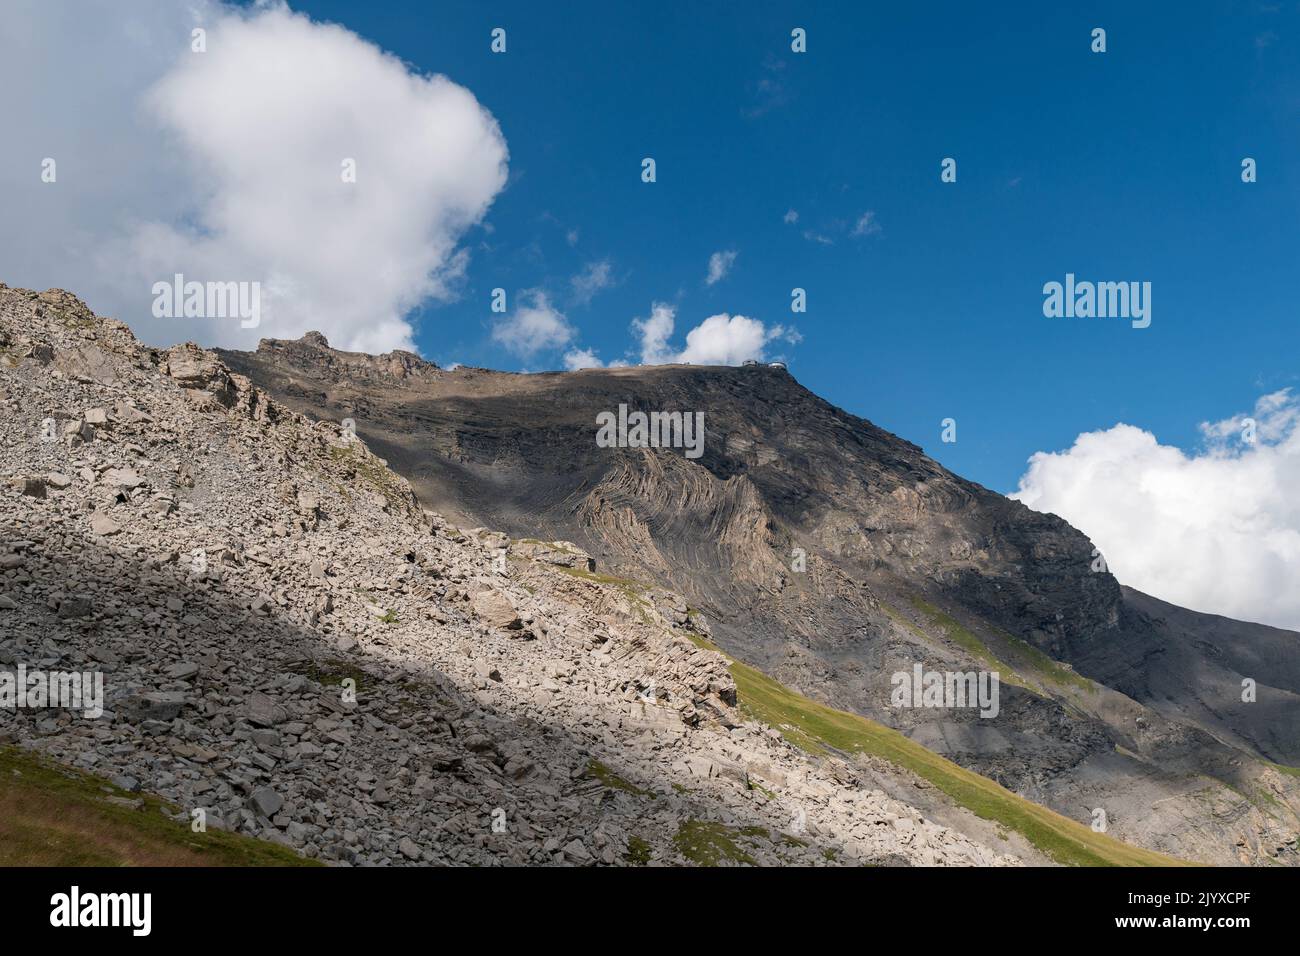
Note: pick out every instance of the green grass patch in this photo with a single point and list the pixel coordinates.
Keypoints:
(1027, 659)
(598, 771)
(763, 790)
(638, 851)
(1047, 667)
(710, 844)
(56, 816)
(960, 636)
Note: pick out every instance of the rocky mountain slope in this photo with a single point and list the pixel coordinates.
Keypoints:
(292, 645)
(831, 554)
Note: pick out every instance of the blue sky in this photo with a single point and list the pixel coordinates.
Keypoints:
(230, 164)
(1116, 166)
(1122, 166)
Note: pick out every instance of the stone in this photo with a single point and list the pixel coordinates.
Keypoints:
(496, 609)
(486, 671)
(87, 363)
(576, 852)
(130, 803)
(157, 705)
(78, 605)
(267, 801)
(102, 525)
(127, 478)
(182, 671)
(193, 368)
(265, 737)
(264, 711)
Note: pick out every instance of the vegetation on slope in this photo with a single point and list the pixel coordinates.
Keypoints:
(971, 644)
(54, 816)
(598, 771)
(818, 729)
(1020, 659)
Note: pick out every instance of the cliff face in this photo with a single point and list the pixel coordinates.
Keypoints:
(833, 554)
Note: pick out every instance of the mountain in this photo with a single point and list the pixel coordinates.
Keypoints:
(1111, 701)
(299, 656)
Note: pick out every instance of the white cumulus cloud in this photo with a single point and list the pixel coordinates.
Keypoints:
(226, 165)
(576, 359)
(654, 333)
(727, 340)
(719, 340)
(1216, 529)
(533, 326)
(720, 264)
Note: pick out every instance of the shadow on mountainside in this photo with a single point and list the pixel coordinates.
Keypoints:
(239, 712)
